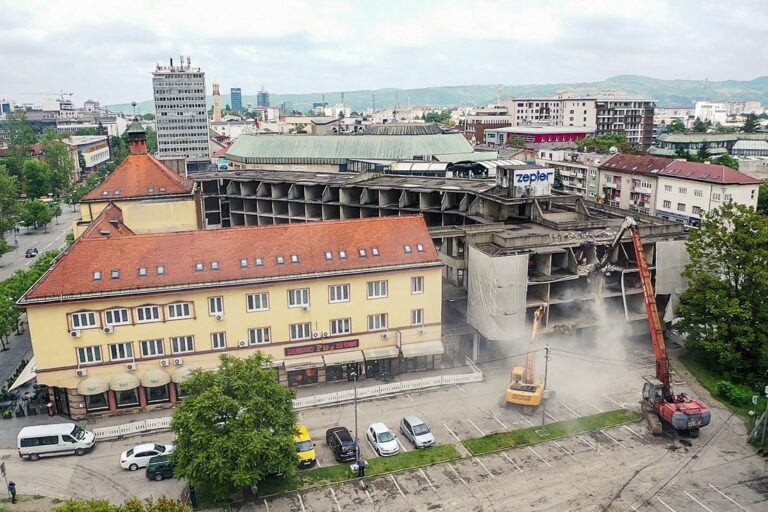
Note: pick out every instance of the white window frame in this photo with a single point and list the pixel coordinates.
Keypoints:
(143, 310)
(338, 293)
(682, 190)
(666, 204)
(179, 310)
(298, 298)
(216, 305)
(698, 193)
(121, 351)
(152, 348)
(378, 322)
(377, 289)
(417, 285)
(667, 188)
(251, 301)
(182, 344)
(340, 326)
(89, 355)
(122, 312)
(83, 320)
(299, 332)
(218, 340)
(417, 316)
(681, 209)
(259, 335)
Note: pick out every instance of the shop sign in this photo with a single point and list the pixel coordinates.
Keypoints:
(321, 347)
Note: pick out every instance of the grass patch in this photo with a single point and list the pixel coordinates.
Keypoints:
(532, 435)
(341, 472)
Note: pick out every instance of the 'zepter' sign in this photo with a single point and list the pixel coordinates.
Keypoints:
(534, 177)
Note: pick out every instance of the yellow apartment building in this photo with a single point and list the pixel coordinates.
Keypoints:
(119, 321)
(152, 197)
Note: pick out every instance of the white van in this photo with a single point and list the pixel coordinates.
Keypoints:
(56, 439)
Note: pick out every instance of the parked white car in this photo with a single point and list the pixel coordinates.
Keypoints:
(417, 432)
(382, 440)
(138, 456)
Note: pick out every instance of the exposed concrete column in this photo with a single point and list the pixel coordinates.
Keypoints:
(475, 348)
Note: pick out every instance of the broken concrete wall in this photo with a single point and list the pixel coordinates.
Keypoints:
(496, 294)
(671, 259)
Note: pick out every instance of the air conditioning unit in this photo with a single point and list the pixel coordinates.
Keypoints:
(109, 329)
(305, 308)
(242, 343)
(178, 361)
(81, 372)
(316, 334)
(75, 333)
(165, 362)
(130, 366)
(326, 334)
(385, 335)
(219, 317)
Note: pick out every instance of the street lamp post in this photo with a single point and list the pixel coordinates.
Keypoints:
(544, 390)
(357, 445)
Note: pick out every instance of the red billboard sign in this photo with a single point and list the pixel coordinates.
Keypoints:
(321, 347)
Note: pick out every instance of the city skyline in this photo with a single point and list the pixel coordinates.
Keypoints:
(97, 51)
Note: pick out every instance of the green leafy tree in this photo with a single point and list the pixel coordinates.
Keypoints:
(59, 160)
(76, 194)
(88, 131)
(558, 180)
(516, 142)
(149, 117)
(162, 504)
(119, 149)
(21, 137)
(762, 199)
(36, 177)
(700, 126)
(728, 161)
(703, 153)
(55, 208)
(751, 124)
(236, 427)
(676, 126)
(681, 152)
(9, 205)
(299, 128)
(35, 213)
(604, 143)
(443, 117)
(151, 141)
(723, 311)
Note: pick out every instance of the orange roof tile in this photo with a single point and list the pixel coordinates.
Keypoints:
(179, 253)
(140, 176)
(677, 168)
(109, 223)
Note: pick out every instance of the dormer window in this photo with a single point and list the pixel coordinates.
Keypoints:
(361, 253)
(280, 260)
(97, 275)
(151, 190)
(214, 265)
(142, 271)
(116, 273)
(420, 248)
(343, 255)
(243, 263)
(375, 251)
(259, 262)
(162, 189)
(199, 266)
(328, 255)
(105, 193)
(407, 249)
(294, 258)
(160, 270)
(116, 193)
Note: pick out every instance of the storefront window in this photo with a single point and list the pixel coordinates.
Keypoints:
(420, 363)
(340, 372)
(302, 377)
(157, 394)
(181, 392)
(96, 402)
(128, 398)
(377, 367)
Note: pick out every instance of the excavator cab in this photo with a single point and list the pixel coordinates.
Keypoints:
(517, 375)
(653, 390)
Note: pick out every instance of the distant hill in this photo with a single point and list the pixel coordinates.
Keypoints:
(665, 92)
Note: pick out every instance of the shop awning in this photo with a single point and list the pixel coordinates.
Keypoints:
(155, 377)
(381, 353)
(304, 362)
(124, 382)
(179, 375)
(92, 386)
(356, 356)
(425, 348)
(27, 374)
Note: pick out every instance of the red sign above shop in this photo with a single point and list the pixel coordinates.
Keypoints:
(321, 347)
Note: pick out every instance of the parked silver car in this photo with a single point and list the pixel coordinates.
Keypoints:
(417, 432)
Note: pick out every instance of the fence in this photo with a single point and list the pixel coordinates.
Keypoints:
(340, 397)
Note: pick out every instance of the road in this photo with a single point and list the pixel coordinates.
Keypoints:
(44, 240)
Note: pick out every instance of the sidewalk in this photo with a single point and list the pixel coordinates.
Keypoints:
(20, 348)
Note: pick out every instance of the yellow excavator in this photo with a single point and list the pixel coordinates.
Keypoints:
(524, 389)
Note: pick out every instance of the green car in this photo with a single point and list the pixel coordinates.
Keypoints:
(159, 468)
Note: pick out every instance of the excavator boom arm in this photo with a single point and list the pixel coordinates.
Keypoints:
(530, 368)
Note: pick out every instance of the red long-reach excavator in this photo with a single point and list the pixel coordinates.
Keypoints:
(659, 404)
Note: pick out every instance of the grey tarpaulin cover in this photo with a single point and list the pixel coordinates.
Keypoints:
(496, 294)
(671, 259)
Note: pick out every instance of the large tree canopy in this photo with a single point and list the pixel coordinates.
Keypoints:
(236, 427)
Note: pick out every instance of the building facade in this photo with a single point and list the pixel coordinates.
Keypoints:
(631, 116)
(579, 171)
(535, 134)
(236, 97)
(119, 322)
(181, 116)
(710, 112)
(262, 99)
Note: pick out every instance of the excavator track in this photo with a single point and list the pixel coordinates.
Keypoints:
(653, 421)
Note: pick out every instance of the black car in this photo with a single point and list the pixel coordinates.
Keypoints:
(159, 468)
(31, 252)
(341, 443)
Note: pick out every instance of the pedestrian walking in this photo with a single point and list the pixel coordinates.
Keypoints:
(12, 490)
(360, 467)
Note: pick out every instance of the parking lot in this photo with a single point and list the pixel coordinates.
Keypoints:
(619, 468)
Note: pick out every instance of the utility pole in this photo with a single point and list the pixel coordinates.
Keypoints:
(357, 445)
(544, 390)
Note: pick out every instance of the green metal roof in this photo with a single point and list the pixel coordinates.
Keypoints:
(654, 150)
(337, 149)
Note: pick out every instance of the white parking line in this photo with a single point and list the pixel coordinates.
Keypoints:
(457, 474)
(397, 485)
(609, 436)
(476, 427)
(485, 468)
(567, 452)
(301, 502)
(369, 495)
(28, 263)
(540, 457)
(595, 447)
(460, 388)
(451, 432)
(727, 497)
(571, 410)
(638, 435)
(266, 505)
(400, 445)
(620, 406)
(317, 461)
(410, 397)
(593, 406)
(550, 416)
(698, 502)
(49, 244)
(421, 470)
(500, 422)
(334, 498)
(662, 502)
(513, 462)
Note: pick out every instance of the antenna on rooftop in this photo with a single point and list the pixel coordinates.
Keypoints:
(133, 104)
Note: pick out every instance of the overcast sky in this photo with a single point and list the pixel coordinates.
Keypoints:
(106, 50)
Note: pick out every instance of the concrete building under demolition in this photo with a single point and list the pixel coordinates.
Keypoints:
(508, 245)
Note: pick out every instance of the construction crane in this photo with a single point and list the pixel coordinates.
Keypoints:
(61, 94)
(524, 389)
(659, 404)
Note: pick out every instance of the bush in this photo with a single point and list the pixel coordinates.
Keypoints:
(734, 394)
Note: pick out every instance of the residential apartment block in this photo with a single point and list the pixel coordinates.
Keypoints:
(119, 322)
(579, 171)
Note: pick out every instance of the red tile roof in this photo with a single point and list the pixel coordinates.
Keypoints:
(677, 168)
(140, 176)
(108, 224)
(34, 150)
(72, 277)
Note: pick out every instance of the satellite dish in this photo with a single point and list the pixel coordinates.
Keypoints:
(613, 150)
